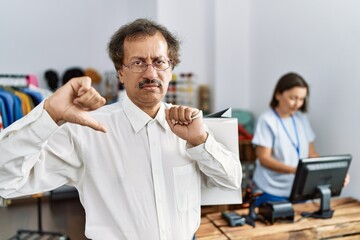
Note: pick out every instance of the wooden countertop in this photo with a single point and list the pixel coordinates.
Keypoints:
(345, 223)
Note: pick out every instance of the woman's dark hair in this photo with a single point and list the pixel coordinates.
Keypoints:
(286, 82)
(141, 28)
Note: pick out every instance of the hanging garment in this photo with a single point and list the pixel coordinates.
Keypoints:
(4, 119)
(35, 96)
(17, 108)
(8, 105)
(26, 102)
(1, 124)
(19, 94)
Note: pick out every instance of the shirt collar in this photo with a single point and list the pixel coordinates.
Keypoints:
(138, 118)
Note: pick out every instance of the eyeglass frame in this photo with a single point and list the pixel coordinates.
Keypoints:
(152, 64)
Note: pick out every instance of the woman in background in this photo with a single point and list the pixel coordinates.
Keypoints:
(283, 135)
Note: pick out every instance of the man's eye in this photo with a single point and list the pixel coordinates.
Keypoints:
(160, 62)
(137, 63)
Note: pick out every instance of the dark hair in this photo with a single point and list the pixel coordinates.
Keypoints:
(286, 82)
(141, 28)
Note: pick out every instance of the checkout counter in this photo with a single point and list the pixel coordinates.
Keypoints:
(344, 225)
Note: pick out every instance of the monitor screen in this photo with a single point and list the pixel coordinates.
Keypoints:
(321, 177)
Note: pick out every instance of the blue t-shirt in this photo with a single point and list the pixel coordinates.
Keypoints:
(9, 106)
(5, 121)
(270, 133)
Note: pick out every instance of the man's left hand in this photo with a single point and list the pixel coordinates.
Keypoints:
(187, 124)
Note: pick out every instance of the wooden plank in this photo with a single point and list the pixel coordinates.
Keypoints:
(318, 227)
(204, 220)
(333, 231)
(337, 204)
(339, 230)
(260, 230)
(207, 229)
(334, 220)
(341, 201)
(220, 222)
(353, 237)
(213, 237)
(205, 210)
(303, 235)
(350, 209)
(214, 216)
(347, 205)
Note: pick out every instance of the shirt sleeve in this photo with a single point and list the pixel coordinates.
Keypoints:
(28, 163)
(221, 167)
(263, 135)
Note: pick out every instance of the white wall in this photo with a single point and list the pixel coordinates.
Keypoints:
(231, 57)
(141, 9)
(39, 34)
(320, 40)
(190, 22)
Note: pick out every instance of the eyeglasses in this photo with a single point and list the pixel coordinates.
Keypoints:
(140, 66)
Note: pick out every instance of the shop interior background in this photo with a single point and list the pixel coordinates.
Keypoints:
(238, 47)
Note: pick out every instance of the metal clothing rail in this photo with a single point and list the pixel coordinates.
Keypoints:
(16, 80)
(13, 75)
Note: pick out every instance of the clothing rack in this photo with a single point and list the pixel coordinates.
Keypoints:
(22, 80)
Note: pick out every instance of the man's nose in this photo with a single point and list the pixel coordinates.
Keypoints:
(150, 72)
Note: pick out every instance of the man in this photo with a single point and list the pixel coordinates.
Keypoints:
(139, 175)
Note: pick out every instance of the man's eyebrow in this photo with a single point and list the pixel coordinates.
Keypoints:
(137, 58)
(144, 58)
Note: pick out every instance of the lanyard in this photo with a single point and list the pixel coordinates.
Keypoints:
(296, 146)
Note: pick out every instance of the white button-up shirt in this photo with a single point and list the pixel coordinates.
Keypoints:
(137, 181)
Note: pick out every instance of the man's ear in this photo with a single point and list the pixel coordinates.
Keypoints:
(120, 74)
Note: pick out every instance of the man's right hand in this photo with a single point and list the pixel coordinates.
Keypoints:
(71, 102)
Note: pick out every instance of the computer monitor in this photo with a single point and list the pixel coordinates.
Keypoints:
(320, 177)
